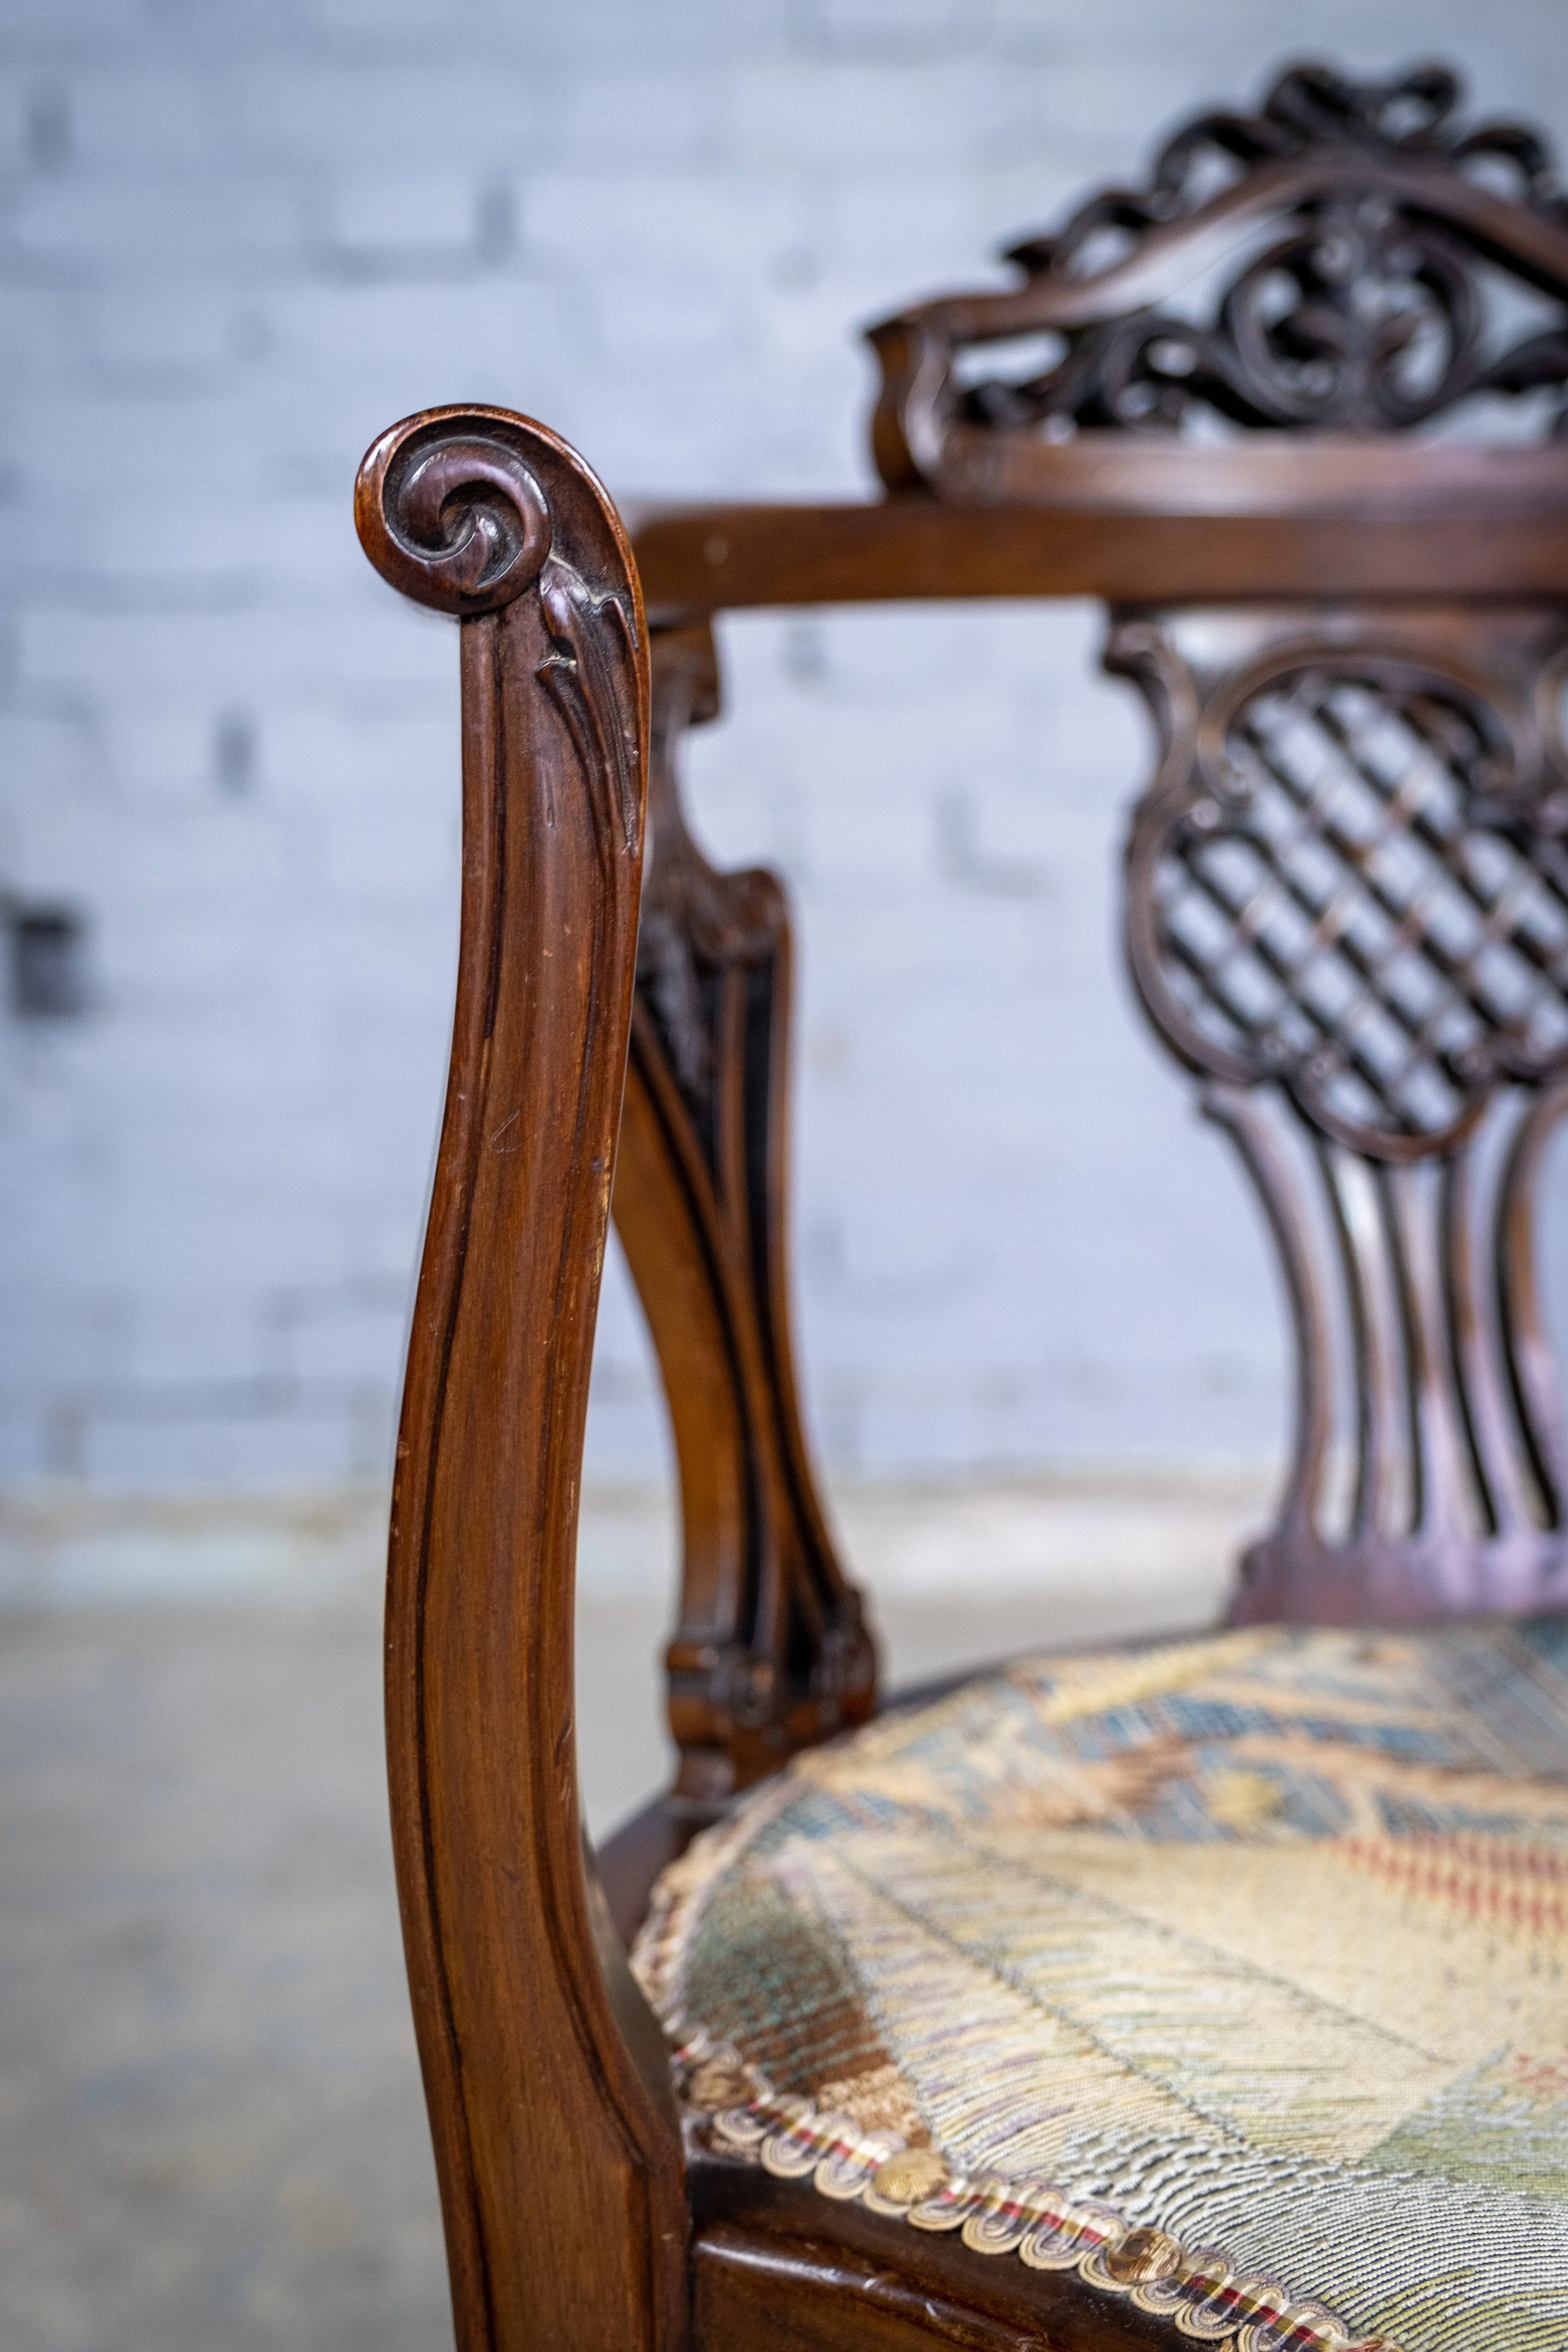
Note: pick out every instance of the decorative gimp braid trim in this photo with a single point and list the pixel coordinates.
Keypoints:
(1199, 2290)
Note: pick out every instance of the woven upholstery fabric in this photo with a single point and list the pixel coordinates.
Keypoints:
(1229, 1973)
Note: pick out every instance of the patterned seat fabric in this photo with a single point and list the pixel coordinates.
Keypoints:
(1229, 1973)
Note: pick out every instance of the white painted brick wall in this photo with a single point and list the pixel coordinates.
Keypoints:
(240, 240)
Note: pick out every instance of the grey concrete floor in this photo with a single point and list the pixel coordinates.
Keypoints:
(210, 2125)
(212, 2136)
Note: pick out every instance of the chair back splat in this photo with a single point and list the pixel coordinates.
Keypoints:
(1348, 889)
(557, 2145)
(1347, 914)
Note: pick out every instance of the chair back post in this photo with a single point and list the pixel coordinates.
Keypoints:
(771, 1650)
(557, 2145)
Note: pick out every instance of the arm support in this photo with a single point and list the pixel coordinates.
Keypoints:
(556, 2141)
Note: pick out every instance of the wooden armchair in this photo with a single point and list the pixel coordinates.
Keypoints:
(1208, 1991)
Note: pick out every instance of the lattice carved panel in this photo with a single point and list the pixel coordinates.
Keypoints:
(1357, 883)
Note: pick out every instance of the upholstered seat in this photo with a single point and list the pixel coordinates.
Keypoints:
(1228, 1972)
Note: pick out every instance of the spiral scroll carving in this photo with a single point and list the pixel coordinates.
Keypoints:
(449, 512)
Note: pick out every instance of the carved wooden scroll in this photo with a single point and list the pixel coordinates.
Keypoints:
(557, 2146)
(771, 1653)
(1347, 913)
(1350, 260)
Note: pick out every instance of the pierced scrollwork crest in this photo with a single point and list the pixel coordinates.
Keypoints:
(1412, 118)
(1352, 878)
(1359, 319)
(1327, 263)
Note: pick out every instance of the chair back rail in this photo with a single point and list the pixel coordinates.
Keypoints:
(1226, 529)
(557, 2150)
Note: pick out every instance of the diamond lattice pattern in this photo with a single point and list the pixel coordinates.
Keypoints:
(1344, 922)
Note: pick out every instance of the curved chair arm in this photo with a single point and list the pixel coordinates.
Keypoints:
(557, 2143)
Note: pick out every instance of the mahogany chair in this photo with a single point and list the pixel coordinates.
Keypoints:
(1208, 1991)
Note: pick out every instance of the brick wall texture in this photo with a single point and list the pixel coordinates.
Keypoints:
(240, 238)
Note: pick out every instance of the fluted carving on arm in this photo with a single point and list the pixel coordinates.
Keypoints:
(556, 2147)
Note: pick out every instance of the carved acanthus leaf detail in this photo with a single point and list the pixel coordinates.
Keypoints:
(592, 674)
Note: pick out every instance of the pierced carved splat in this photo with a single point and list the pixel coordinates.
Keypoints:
(1347, 914)
(771, 1653)
(1352, 258)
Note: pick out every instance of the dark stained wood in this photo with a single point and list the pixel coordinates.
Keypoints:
(632, 1858)
(706, 559)
(770, 2267)
(1346, 255)
(771, 1653)
(557, 2147)
(1531, 1365)
(1368, 588)
(782, 2294)
(1382, 962)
